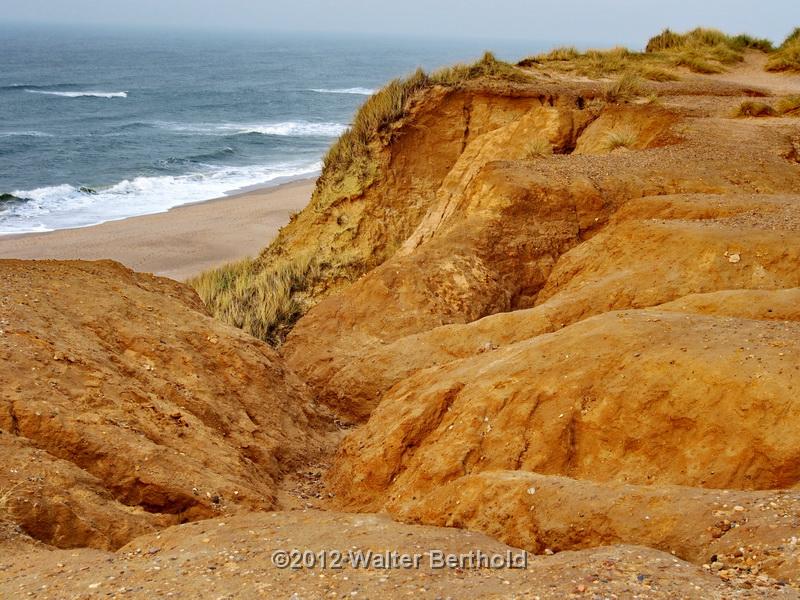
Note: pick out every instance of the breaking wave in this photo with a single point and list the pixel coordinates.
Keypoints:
(284, 129)
(359, 91)
(65, 206)
(80, 94)
(24, 134)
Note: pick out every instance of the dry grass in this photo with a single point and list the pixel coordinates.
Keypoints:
(351, 151)
(621, 138)
(750, 108)
(652, 99)
(789, 106)
(623, 89)
(657, 74)
(263, 300)
(538, 148)
(787, 57)
(594, 63)
(749, 42)
(5, 497)
(488, 67)
(703, 50)
(696, 62)
(700, 50)
(705, 38)
(564, 53)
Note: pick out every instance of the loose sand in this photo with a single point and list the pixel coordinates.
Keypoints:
(179, 243)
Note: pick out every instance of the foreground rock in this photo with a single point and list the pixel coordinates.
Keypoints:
(124, 408)
(232, 558)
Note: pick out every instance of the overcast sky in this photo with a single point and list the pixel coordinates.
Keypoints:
(623, 21)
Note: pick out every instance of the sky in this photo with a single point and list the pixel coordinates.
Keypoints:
(628, 22)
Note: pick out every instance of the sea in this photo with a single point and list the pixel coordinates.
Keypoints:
(98, 125)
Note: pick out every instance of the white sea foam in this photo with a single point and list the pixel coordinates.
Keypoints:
(284, 129)
(294, 129)
(359, 91)
(25, 134)
(81, 94)
(65, 206)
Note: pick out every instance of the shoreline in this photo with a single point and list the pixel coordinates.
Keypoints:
(180, 242)
(235, 193)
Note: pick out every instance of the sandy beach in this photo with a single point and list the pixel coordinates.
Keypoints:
(179, 243)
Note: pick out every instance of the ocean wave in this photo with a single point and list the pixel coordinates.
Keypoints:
(359, 91)
(134, 125)
(80, 94)
(197, 159)
(66, 206)
(24, 134)
(294, 129)
(282, 129)
(32, 86)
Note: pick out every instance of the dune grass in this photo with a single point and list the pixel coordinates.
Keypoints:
(696, 62)
(623, 89)
(789, 106)
(597, 63)
(263, 300)
(655, 73)
(704, 50)
(787, 57)
(700, 50)
(538, 147)
(5, 497)
(705, 38)
(621, 138)
(751, 108)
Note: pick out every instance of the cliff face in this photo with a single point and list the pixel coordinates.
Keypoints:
(429, 156)
(502, 221)
(351, 233)
(609, 325)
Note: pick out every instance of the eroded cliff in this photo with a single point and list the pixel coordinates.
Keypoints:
(555, 311)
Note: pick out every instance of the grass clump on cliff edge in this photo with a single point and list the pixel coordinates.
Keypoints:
(538, 147)
(263, 300)
(622, 138)
(787, 57)
(789, 106)
(750, 108)
(5, 497)
(623, 89)
(350, 153)
(348, 166)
